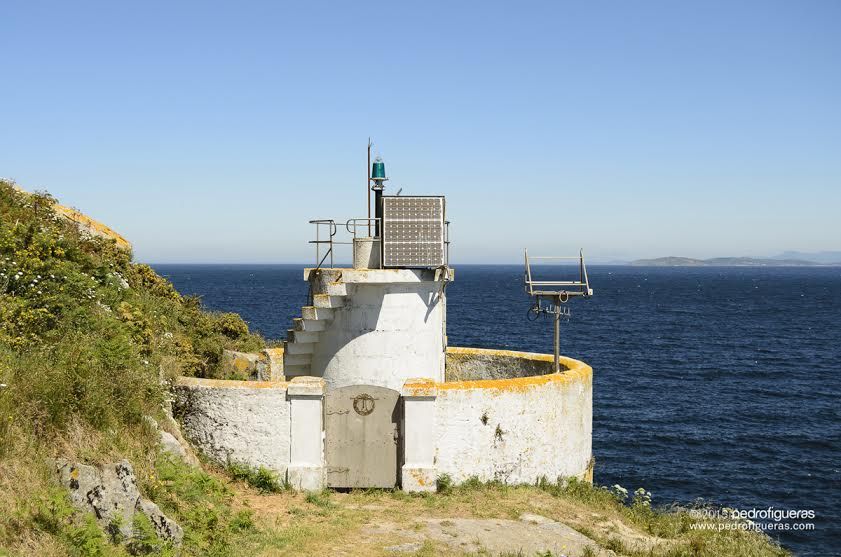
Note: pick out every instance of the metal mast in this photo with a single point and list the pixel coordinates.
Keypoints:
(558, 293)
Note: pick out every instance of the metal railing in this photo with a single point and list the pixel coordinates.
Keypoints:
(326, 231)
(580, 287)
(320, 224)
(447, 243)
(325, 237)
(352, 225)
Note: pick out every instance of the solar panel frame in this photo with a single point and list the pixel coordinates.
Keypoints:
(413, 234)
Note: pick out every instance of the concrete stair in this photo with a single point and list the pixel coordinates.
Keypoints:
(303, 337)
(326, 301)
(309, 325)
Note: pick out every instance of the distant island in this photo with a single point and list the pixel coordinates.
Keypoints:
(727, 262)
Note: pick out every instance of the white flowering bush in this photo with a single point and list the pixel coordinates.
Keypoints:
(619, 492)
(642, 498)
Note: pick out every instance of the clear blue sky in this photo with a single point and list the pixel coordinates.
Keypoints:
(211, 132)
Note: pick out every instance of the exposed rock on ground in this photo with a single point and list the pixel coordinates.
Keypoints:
(110, 492)
(531, 535)
(170, 445)
(173, 443)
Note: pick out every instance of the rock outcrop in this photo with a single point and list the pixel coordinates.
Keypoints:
(173, 442)
(110, 492)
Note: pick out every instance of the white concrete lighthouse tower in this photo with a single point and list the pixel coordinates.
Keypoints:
(370, 395)
(383, 321)
(368, 331)
(371, 326)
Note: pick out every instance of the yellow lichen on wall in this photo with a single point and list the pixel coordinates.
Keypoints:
(276, 352)
(229, 383)
(573, 371)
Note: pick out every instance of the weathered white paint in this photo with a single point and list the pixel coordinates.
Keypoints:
(390, 276)
(306, 400)
(366, 253)
(418, 472)
(388, 328)
(517, 430)
(236, 421)
(518, 427)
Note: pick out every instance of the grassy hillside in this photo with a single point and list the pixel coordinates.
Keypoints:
(89, 342)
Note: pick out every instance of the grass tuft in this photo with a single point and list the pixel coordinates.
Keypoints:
(261, 478)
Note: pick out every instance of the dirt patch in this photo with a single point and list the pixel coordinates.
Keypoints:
(530, 535)
(485, 521)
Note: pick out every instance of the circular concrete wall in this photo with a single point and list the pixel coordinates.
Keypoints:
(504, 415)
(500, 415)
(470, 364)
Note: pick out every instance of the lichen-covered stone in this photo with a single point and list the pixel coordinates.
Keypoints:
(110, 492)
(239, 365)
(270, 365)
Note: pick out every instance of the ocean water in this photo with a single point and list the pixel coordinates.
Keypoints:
(712, 383)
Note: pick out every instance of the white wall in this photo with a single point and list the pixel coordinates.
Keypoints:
(536, 426)
(386, 333)
(515, 430)
(243, 421)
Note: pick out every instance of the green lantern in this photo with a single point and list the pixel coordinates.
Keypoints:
(378, 170)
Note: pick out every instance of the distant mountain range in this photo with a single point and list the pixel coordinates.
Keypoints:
(778, 261)
(824, 257)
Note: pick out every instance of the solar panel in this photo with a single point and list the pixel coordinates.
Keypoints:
(413, 231)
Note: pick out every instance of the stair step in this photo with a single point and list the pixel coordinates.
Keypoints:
(336, 289)
(327, 301)
(298, 347)
(295, 370)
(313, 313)
(309, 325)
(296, 359)
(301, 336)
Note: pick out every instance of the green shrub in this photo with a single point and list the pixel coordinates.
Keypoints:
(473, 482)
(231, 325)
(262, 478)
(52, 510)
(444, 484)
(87, 540)
(144, 539)
(201, 504)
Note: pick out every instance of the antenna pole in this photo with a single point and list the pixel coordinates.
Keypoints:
(368, 186)
(557, 334)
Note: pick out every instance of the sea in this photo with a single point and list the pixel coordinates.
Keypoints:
(712, 385)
